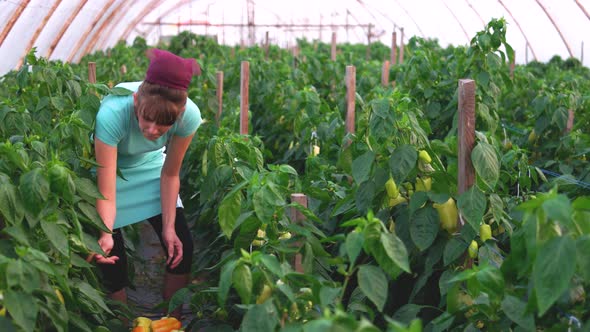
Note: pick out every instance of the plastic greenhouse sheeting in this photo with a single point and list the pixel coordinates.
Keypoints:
(68, 29)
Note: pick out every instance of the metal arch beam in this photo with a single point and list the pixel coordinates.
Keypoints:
(111, 22)
(38, 32)
(65, 27)
(583, 8)
(91, 27)
(181, 3)
(483, 23)
(569, 49)
(146, 10)
(458, 21)
(411, 18)
(519, 28)
(379, 12)
(362, 3)
(15, 16)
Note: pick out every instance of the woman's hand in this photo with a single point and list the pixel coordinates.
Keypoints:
(106, 243)
(173, 246)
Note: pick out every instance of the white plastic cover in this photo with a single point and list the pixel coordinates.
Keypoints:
(68, 29)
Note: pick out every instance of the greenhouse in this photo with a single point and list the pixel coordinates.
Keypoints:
(294, 165)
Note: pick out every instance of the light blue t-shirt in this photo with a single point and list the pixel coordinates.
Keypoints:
(139, 159)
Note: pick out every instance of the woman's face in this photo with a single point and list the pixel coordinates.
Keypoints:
(150, 129)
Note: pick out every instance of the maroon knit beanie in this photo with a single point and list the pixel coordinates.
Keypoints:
(169, 70)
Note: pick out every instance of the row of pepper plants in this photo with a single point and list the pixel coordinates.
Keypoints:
(379, 246)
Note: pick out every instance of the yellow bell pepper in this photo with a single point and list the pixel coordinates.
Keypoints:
(448, 214)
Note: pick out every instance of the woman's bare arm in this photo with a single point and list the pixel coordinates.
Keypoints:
(169, 187)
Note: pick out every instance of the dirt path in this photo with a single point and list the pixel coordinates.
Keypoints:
(146, 299)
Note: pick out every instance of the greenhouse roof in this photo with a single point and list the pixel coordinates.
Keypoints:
(67, 30)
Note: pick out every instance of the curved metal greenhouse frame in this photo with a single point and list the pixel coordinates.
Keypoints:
(67, 30)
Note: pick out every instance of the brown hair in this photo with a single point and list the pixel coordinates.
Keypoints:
(160, 104)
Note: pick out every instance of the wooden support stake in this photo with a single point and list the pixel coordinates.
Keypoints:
(368, 56)
(92, 72)
(295, 51)
(219, 96)
(385, 74)
(244, 81)
(298, 217)
(333, 55)
(466, 133)
(570, 122)
(393, 48)
(266, 46)
(401, 48)
(350, 98)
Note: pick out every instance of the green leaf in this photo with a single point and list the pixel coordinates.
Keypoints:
(558, 208)
(486, 164)
(242, 280)
(93, 295)
(57, 236)
(267, 200)
(40, 148)
(7, 325)
(342, 206)
(87, 189)
(120, 91)
(454, 249)
(496, 206)
(442, 323)
(583, 256)
(272, 264)
(373, 283)
(417, 200)
(553, 269)
(229, 211)
(364, 196)
(91, 242)
(424, 227)
(22, 274)
(328, 295)
(402, 162)
(361, 166)
(90, 102)
(318, 325)
(491, 280)
(396, 250)
(354, 245)
(59, 103)
(17, 233)
(225, 281)
(582, 203)
(286, 289)
(34, 190)
(560, 117)
(22, 308)
(472, 205)
(10, 206)
(261, 318)
(516, 310)
(407, 313)
(180, 297)
(90, 212)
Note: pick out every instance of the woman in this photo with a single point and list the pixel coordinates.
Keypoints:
(131, 135)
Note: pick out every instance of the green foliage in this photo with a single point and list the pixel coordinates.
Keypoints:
(47, 214)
